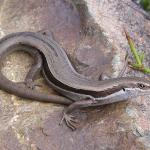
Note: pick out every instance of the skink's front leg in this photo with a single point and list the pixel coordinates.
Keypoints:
(70, 119)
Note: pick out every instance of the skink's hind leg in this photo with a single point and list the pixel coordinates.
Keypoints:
(34, 71)
(30, 84)
(36, 67)
(71, 120)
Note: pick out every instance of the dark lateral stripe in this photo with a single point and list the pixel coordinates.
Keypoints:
(95, 94)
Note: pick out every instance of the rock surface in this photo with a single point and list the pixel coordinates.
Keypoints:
(92, 34)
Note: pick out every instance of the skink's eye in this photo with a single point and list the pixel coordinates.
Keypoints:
(141, 86)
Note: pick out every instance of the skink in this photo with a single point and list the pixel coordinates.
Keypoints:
(59, 73)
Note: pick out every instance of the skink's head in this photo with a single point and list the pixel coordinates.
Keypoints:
(138, 87)
(130, 87)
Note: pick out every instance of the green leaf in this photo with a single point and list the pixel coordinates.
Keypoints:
(145, 4)
(142, 56)
(139, 58)
(133, 49)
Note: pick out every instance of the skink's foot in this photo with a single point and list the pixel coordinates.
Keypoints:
(70, 121)
(31, 85)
